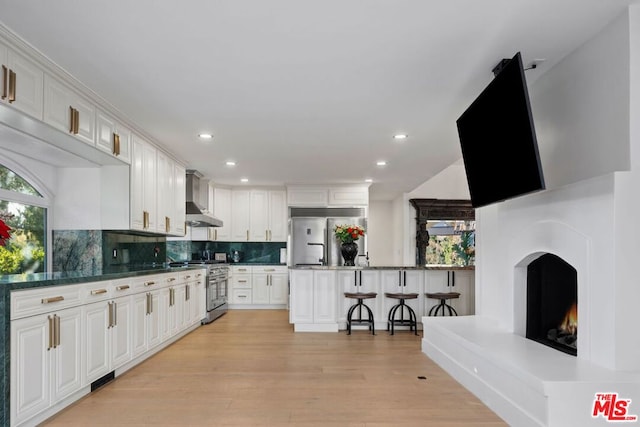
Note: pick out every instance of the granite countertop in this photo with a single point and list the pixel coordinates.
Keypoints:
(24, 281)
(390, 267)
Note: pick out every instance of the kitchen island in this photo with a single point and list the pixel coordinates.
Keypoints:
(317, 302)
(65, 334)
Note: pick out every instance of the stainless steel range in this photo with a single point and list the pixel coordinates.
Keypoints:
(217, 285)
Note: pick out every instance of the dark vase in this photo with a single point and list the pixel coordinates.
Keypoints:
(349, 252)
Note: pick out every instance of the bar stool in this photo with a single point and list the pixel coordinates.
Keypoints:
(443, 297)
(360, 296)
(392, 321)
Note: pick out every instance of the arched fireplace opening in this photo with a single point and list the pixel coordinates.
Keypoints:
(552, 303)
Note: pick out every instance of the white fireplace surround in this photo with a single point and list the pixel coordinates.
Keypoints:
(586, 111)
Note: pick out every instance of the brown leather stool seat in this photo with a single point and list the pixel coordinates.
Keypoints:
(392, 321)
(443, 297)
(360, 296)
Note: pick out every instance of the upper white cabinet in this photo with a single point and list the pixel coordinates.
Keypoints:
(143, 185)
(113, 137)
(222, 210)
(258, 215)
(68, 111)
(324, 196)
(178, 226)
(22, 82)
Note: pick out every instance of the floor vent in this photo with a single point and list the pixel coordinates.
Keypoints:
(102, 381)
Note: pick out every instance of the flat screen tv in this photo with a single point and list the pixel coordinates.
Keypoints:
(498, 140)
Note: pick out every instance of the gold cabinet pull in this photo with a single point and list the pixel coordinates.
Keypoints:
(72, 119)
(171, 279)
(98, 291)
(116, 144)
(4, 82)
(110, 316)
(12, 86)
(122, 287)
(115, 313)
(269, 269)
(145, 219)
(56, 331)
(247, 235)
(187, 293)
(266, 235)
(76, 128)
(149, 283)
(215, 234)
(187, 277)
(242, 281)
(167, 224)
(52, 299)
(50, 321)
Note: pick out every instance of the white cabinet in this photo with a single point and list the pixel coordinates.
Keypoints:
(222, 211)
(324, 196)
(362, 281)
(313, 300)
(348, 196)
(402, 281)
(113, 137)
(121, 341)
(461, 281)
(68, 111)
(22, 84)
(259, 215)
(143, 185)
(178, 225)
(146, 328)
(270, 285)
(45, 361)
(241, 285)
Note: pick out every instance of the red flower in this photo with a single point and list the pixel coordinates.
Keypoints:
(4, 232)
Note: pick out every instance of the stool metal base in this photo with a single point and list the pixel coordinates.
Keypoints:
(359, 306)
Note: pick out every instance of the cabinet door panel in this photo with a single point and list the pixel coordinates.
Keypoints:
(260, 287)
(96, 341)
(30, 369)
(121, 332)
(240, 215)
(278, 288)
(29, 85)
(258, 216)
(324, 309)
(278, 216)
(66, 359)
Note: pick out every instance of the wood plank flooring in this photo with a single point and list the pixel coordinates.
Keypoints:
(249, 368)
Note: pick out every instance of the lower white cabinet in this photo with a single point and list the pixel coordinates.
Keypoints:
(45, 361)
(63, 338)
(313, 300)
(260, 286)
(402, 281)
(270, 285)
(362, 281)
(461, 281)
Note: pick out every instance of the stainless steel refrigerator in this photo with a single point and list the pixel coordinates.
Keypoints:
(312, 237)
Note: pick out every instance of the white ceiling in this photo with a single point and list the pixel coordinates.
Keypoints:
(300, 91)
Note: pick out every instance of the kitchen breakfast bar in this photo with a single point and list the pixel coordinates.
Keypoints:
(318, 302)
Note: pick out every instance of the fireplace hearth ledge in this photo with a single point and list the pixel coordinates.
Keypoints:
(524, 382)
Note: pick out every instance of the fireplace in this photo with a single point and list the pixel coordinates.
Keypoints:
(552, 303)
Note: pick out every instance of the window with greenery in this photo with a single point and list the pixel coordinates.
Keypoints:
(450, 243)
(23, 227)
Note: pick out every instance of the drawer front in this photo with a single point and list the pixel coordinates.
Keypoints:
(30, 302)
(241, 296)
(241, 269)
(96, 291)
(270, 269)
(241, 281)
(122, 288)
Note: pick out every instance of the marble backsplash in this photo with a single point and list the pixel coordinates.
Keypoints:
(98, 251)
(251, 252)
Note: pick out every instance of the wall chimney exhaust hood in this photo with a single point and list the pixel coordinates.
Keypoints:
(197, 202)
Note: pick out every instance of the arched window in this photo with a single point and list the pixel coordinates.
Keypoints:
(23, 225)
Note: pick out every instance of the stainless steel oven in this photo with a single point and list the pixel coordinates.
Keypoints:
(217, 286)
(217, 290)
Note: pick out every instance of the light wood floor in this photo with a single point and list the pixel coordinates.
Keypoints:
(249, 368)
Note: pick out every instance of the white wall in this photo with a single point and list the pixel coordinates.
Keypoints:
(379, 237)
(581, 110)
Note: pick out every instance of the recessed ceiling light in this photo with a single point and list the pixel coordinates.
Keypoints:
(400, 136)
(368, 180)
(205, 136)
(231, 163)
(381, 163)
(244, 179)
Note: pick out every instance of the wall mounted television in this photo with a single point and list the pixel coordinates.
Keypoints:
(498, 140)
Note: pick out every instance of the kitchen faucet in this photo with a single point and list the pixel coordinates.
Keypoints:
(318, 244)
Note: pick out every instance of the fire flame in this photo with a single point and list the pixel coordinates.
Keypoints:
(570, 322)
